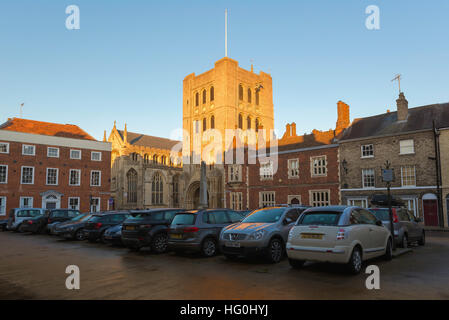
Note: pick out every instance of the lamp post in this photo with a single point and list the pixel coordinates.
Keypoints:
(388, 177)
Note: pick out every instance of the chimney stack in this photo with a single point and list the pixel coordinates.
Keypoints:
(402, 105)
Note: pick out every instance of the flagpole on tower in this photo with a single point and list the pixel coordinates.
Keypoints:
(226, 32)
(21, 110)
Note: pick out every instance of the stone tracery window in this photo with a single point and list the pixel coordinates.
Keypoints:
(131, 178)
(157, 189)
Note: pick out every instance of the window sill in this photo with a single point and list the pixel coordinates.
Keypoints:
(367, 157)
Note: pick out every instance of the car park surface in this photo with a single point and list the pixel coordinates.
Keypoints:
(33, 267)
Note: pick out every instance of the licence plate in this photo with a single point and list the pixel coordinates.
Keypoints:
(176, 236)
(232, 244)
(311, 236)
(130, 227)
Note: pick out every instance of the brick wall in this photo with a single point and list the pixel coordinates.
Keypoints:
(13, 189)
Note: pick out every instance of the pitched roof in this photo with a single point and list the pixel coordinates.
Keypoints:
(45, 128)
(144, 140)
(419, 118)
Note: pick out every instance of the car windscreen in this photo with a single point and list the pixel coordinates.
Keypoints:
(265, 215)
(58, 214)
(184, 219)
(96, 219)
(381, 214)
(78, 217)
(320, 218)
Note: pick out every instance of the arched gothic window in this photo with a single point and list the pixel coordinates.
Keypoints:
(146, 158)
(212, 122)
(249, 95)
(240, 121)
(257, 97)
(204, 124)
(212, 94)
(240, 92)
(257, 125)
(204, 96)
(155, 158)
(248, 122)
(131, 178)
(164, 160)
(197, 99)
(157, 189)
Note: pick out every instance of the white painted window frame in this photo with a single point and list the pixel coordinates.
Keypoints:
(21, 175)
(52, 156)
(28, 145)
(6, 177)
(7, 147)
(57, 177)
(79, 175)
(71, 150)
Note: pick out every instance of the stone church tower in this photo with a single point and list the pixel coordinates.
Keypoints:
(225, 97)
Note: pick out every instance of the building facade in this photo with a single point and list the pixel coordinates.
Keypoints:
(303, 170)
(406, 140)
(49, 165)
(145, 172)
(444, 160)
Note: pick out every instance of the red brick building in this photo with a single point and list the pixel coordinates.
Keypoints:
(49, 165)
(304, 170)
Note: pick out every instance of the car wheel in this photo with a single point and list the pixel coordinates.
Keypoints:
(422, 240)
(404, 242)
(79, 235)
(159, 243)
(355, 262)
(275, 250)
(389, 250)
(297, 264)
(209, 247)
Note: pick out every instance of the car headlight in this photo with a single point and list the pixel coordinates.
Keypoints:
(257, 235)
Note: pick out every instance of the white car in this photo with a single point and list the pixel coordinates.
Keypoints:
(339, 234)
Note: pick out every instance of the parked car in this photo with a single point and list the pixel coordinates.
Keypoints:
(148, 228)
(406, 226)
(339, 234)
(72, 229)
(18, 215)
(3, 224)
(113, 235)
(39, 224)
(98, 223)
(263, 232)
(199, 230)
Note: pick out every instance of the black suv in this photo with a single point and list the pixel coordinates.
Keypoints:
(97, 225)
(39, 224)
(148, 228)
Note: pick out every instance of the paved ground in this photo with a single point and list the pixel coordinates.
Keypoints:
(33, 267)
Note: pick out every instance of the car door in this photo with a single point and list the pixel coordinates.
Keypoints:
(217, 220)
(414, 226)
(360, 232)
(288, 222)
(378, 234)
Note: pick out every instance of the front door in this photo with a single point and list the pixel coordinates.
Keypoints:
(50, 205)
(430, 208)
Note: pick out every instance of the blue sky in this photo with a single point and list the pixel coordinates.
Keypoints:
(129, 58)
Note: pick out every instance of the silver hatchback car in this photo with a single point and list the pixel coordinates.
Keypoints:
(262, 232)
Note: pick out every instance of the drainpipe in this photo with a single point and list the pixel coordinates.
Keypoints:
(436, 136)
